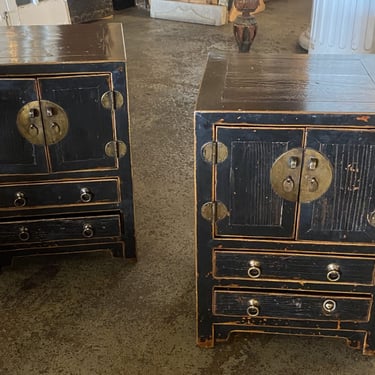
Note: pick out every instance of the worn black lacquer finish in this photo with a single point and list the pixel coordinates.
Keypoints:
(75, 194)
(265, 263)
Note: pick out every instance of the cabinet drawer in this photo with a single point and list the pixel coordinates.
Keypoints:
(49, 194)
(60, 229)
(292, 306)
(307, 268)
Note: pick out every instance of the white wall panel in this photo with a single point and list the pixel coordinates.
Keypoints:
(342, 26)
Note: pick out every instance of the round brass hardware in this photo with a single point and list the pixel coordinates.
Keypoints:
(312, 184)
(88, 231)
(86, 195)
(285, 174)
(33, 113)
(254, 271)
(316, 177)
(371, 218)
(29, 123)
(312, 164)
(253, 309)
(33, 130)
(329, 306)
(57, 119)
(115, 149)
(112, 100)
(293, 162)
(49, 111)
(24, 234)
(301, 174)
(214, 152)
(288, 185)
(214, 211)
(30, 119)
(55, 127)
(20, 199)
(333, 272)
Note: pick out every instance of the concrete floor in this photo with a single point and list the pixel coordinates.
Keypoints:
(92, 314)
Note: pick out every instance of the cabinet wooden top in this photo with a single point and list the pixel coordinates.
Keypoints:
(291, 83)
(62, 43)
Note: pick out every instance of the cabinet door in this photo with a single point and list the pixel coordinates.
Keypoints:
(18, 155)
(91, 126)
(243, 182)
(346, 212)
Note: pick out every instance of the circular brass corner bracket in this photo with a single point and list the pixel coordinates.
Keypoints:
(112, 100)
(214, 211)
(214, 152)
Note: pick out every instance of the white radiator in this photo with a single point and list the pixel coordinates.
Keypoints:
(342, 26)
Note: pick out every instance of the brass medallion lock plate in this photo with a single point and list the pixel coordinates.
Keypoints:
(56, 123)
(29, 123)
(316, 176)
(303, 175)
(112, 100)
(42, 122)
(286, 173)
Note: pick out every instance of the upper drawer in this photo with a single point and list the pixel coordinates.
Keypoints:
(50, 194)
(292, 306)
(60, 229)
(282, 266)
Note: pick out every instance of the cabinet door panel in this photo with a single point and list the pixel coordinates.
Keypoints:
(91, 126)
(243, 182)
(17, 155)
(343, 212)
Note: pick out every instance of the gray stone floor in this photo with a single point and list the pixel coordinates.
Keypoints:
(92, 314)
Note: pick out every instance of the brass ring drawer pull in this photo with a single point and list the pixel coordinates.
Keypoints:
(253, 309)
(333, 272)
(329, 306)
(24, 234)
(88, 231)
(254, 271)
(20, 199)
(86, 195)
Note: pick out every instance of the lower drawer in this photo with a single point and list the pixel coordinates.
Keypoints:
(59, 229)
(292, 306)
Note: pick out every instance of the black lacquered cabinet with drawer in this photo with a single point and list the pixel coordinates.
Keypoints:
(65, 166)
(285, 197)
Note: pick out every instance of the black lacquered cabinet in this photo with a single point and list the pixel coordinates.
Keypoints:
(285, 196)
(65, 166)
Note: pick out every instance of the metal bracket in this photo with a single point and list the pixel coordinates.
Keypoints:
(112, 100)
(115, 149)
(214, 152)
(214, 211)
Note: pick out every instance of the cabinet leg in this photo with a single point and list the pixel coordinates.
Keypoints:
(5, 261)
